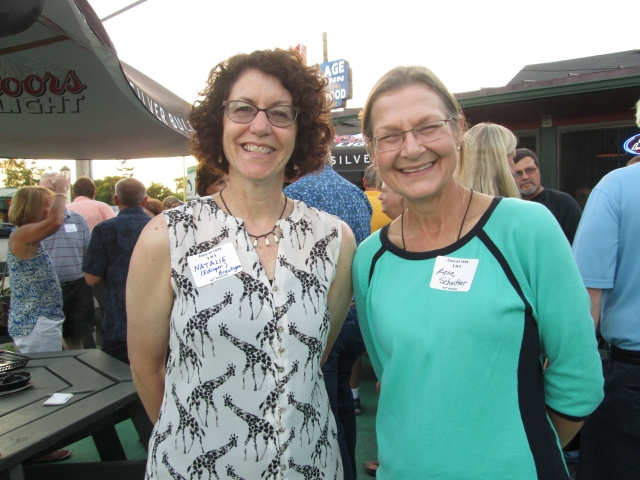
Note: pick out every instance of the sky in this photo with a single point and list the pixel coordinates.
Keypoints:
(468, 44)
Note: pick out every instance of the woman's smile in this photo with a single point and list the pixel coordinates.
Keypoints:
(418, 169)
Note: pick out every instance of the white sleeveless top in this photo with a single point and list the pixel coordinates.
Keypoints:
(244, 394)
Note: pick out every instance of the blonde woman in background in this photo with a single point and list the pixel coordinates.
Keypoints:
(488, 161)
(35, 319)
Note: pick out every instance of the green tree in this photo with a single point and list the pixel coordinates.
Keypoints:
(18, 174)
(179, 186)
(159, 191)
(123, 170)
(106, 188)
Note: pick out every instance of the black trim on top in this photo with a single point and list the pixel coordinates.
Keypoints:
(375, 258)
(388, 244)
(568, 417)
(531, 399)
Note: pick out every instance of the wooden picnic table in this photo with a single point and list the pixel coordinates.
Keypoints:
(29, 430)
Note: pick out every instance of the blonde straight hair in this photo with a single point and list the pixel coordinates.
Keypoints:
(485, 167)
(27, 205)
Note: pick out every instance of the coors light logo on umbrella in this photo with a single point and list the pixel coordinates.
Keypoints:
(65, 94)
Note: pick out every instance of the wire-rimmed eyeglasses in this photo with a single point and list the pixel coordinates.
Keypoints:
(424, 133)
(244, 112)
(529, 171)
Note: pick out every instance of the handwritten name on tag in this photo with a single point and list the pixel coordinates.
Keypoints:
(453, 274)
(70, 227)
(214, 265)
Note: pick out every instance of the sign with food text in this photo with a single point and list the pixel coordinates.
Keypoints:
(340, 79)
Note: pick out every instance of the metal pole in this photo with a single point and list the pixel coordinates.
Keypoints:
(134, 4)
(184, 180)
(325, 50)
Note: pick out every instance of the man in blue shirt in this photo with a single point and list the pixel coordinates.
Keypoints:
(330, 192)
(605, 248)
(108, 257)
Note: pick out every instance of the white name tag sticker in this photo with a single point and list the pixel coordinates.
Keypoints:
(453, 274)
(215, 264)
(70, 227)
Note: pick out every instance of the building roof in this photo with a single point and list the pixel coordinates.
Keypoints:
(7, 192)
(577, 66)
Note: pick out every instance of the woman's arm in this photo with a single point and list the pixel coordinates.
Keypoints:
(341, 290)
(25, 241)
(149, 303)
(566, 429)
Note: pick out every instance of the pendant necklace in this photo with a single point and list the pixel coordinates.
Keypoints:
(404, 247)
(273, 230)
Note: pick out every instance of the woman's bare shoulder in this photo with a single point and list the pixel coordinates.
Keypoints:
(154, 236)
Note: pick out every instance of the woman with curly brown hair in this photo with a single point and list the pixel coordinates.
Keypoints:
(247, 288)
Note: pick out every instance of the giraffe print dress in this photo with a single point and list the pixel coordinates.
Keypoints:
(244, 394)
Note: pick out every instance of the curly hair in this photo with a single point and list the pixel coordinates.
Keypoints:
(307, 88)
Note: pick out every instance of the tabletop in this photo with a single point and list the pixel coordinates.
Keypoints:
(29, 429)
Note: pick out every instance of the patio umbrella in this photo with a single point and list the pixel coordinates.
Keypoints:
(65, 94)
(348, 152)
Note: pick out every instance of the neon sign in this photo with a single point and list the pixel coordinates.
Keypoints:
(632, 145)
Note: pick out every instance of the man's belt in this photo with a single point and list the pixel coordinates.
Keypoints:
(625, 356)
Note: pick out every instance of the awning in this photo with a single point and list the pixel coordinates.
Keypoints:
(64, 93)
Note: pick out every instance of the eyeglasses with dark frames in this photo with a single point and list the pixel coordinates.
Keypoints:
(529, 171)
(424, 133)
(244, 112)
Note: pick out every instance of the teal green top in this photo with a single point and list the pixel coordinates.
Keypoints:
(463, 391)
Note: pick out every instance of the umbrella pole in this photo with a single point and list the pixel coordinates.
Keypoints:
(184, 181)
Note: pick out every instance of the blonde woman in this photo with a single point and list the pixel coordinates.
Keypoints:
(457, 306)
(488, 161)
(35, 320)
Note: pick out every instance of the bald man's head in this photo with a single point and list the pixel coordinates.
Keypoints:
(131, 193)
